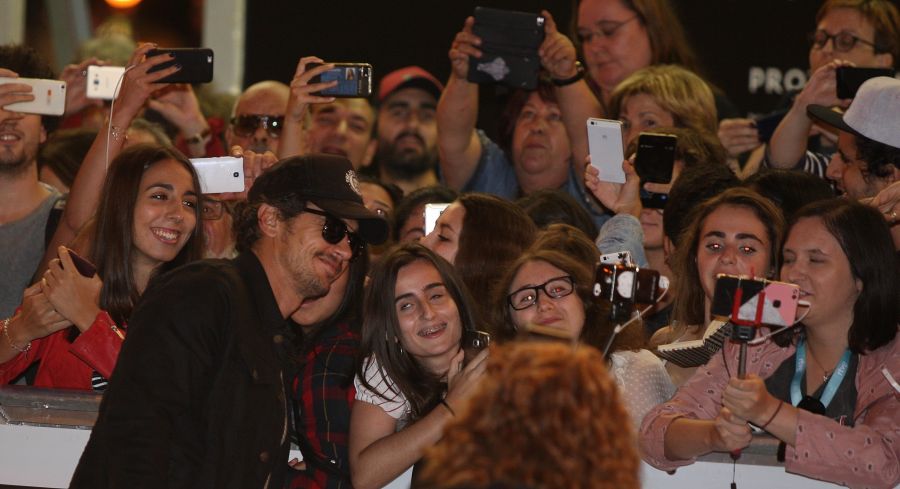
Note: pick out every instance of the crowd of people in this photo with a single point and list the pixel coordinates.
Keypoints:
(318, 307)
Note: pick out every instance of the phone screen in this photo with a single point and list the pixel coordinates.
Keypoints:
(353, 80)
(655, 157)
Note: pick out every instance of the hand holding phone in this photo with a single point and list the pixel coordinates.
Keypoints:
(49, 96)
(607, 152)
(353, 80)
(84, 267)
(473, 342)
(103, 82)
(850, 78)
(509, 48)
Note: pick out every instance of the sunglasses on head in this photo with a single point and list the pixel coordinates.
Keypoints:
(334, 230)
(245, 125)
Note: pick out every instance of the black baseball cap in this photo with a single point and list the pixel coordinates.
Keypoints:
(325, 180)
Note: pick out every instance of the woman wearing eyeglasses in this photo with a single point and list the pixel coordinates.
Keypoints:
(548, 289)
(828, 389)
(861, 33)
(413, 377)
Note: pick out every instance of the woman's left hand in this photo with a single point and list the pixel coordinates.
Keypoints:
(74, 296)
(749, 399)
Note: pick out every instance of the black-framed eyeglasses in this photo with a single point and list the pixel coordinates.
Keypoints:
(245, 125)
(211, 209)
(842, 41)
(606, 29)
(555, 288)
(334, 230)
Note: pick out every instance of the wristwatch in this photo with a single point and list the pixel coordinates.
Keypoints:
(579, 74)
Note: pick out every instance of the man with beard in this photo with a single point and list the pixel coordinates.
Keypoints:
(25, 203)
(407, 129)
(868, 156)
(198, 396)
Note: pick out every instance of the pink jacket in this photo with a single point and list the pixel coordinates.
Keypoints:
(867, 455)
(67, 365)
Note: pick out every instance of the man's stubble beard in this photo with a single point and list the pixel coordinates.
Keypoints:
(406, 165)
(12, 165)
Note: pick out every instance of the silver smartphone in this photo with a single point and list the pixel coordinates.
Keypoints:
(49, 96)
(432, 212)
(607, 153)
(103, 82)
(618, 258)
(221, 174)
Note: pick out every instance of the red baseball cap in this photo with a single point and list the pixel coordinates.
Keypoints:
(410, 76)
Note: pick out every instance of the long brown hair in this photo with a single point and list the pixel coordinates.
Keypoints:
(494, 233)
(545, 415)
(113, 240)
(689, 307)
(381, 332)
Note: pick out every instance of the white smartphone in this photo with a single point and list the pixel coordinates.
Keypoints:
(49, 96)
(218, 175)
(618, 258)
(103, 82)
(432, 212)
(607, 153)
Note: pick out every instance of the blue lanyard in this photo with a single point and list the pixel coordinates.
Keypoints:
(833, 383)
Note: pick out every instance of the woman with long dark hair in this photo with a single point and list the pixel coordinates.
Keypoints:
(827, 389)
(413, 376)
(146, 224)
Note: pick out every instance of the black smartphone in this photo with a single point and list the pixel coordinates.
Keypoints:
(83, 266)
(655, 157)
(850, 78)
(353, 80)
(509, 48)
(766, 125)
(196, 65)
(474, 341)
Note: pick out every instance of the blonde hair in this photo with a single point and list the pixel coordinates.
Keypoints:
(677, 90)
(544, 416)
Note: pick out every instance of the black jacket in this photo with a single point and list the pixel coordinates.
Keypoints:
(197, 398)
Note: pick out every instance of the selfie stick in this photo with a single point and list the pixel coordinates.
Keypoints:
(744, 331)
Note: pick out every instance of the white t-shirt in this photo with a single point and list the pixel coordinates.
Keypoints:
(383, 395)
(643, 382)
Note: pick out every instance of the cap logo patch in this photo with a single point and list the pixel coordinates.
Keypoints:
(351, 179)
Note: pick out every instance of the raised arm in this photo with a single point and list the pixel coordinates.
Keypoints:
(788, 143)
(293, 142)
(576, 101)
(84, 196)
(457, 113)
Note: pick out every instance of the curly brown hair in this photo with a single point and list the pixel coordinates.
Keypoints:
(546, 415)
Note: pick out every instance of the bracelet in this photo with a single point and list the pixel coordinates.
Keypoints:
(13, 345)
(444, 403)
(777, 410)
(579, 74)
(115, 132)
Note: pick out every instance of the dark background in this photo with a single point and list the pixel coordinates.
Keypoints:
(730, 36)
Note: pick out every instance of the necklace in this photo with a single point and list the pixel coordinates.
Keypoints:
(825, 373)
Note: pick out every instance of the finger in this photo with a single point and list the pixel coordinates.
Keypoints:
(16, 97)
(658, 188)
(140, 52)
(159, 75)
(479, 360)
(467, 27)
(549, 23)
(65, 260)
(237, 152)
(7, 73)
(15, 88)
(304, 61)
(456, 365)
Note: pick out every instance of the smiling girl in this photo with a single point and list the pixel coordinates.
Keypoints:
(412, 378)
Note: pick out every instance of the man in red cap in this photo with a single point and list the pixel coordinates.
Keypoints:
(407, 129)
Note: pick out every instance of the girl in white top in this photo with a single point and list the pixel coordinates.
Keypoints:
(413, 378)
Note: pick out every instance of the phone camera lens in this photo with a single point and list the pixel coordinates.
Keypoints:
(235, 174)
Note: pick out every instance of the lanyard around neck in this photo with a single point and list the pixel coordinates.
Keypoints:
(833, 383)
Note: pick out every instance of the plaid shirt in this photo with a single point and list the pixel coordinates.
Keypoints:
(323, 394)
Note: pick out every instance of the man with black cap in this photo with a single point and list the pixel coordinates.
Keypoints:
(868, 155)
(198, 397)
(407, 129)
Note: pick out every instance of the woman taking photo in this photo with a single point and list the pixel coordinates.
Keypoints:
(413, 378)
(548, 289)
(736, 233)
(823, 389)
(146, 225)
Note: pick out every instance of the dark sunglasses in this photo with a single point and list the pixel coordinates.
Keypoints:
(245, 125)
(843, 41)
(334, 230)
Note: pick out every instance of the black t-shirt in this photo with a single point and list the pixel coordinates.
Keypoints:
(842, 405)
